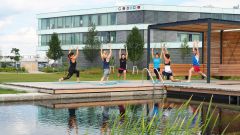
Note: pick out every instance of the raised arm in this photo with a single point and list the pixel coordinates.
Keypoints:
(120, 52)
(77, 53)
(194, 42)
(110, 52)
(197, 48)
(164, 51)
(126, 53)
(70, 50)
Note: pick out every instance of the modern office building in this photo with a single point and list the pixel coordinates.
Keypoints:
(114, 23)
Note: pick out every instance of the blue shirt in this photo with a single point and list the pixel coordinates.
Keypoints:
(156, 62)
(195, 60)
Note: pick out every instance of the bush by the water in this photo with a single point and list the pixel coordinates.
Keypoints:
(12, 69)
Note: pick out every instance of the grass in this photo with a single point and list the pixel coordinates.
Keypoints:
(93, 74)
(87, 75)
(10, 91)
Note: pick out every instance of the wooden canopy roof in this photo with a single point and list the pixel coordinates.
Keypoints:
(199, 25)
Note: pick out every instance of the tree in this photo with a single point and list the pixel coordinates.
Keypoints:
(55, 51)
(92, 47)
(135, 45)
(185, 50)
(16, 55)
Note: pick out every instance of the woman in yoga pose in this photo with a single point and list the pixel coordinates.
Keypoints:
(167, 68)
(73, 64)
(156, 64)
(195, 62)
(122, 70)
(105, 56)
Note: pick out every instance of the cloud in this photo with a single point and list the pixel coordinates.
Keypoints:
(24, 39)
(5, 22)
(214, 3)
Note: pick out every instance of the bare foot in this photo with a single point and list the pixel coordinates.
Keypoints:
(188, 81)
(60, 80)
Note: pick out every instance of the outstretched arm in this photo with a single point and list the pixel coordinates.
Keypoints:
(197, 48)
(77, 53)
(164, 51)
(194, 42)
(152, 53)
(126, 53)
(70, 50)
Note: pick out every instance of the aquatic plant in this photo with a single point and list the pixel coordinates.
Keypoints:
(180, 122)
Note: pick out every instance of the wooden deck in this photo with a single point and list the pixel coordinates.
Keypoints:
(226, 88)
(87, 86)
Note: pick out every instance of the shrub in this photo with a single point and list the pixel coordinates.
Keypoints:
(12, 69)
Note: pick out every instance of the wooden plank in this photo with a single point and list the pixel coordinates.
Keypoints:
(86, 90)
(205, 91)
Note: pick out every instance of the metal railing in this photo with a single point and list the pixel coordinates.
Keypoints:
(159, 75)
(150, 75)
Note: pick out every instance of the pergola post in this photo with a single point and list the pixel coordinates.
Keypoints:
(221, 46)
(202, 47)
(148, 50)
(221, 49)
(209, 51)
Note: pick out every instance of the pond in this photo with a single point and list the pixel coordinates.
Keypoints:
(59, 117)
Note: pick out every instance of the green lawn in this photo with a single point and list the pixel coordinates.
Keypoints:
(9, 91)
(90, 75)
(93, 74)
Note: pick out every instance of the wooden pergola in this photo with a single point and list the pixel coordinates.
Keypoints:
(221, 35)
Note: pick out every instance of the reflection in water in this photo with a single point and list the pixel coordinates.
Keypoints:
(72, 122)
(105, 121)
(105, 128)
(95, 120)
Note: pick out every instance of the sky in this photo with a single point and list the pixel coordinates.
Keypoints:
(18, 23)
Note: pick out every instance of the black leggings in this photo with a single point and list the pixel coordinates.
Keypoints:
(156, 73)
(70, 73)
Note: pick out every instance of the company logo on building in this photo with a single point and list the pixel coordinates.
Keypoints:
(129, 8)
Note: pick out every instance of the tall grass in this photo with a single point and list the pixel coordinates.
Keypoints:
(179, 123)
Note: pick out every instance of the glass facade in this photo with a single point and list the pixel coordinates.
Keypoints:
(77, 21)
(189, 36)
(123, 18)
(79, 38)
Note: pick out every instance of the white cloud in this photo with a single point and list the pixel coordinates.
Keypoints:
(24, 39)
(214, 3)
(5, 22)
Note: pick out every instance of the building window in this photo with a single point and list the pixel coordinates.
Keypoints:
(112, 19)
(94, 19)
(85, 21)
(45, 40)
(113, 36)
(68, 22)
(103, 19)
(77, 21)
(52, 23)
(68, 39)
(196, 37)
(60, 22)
(44, 24)
(182, 36)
